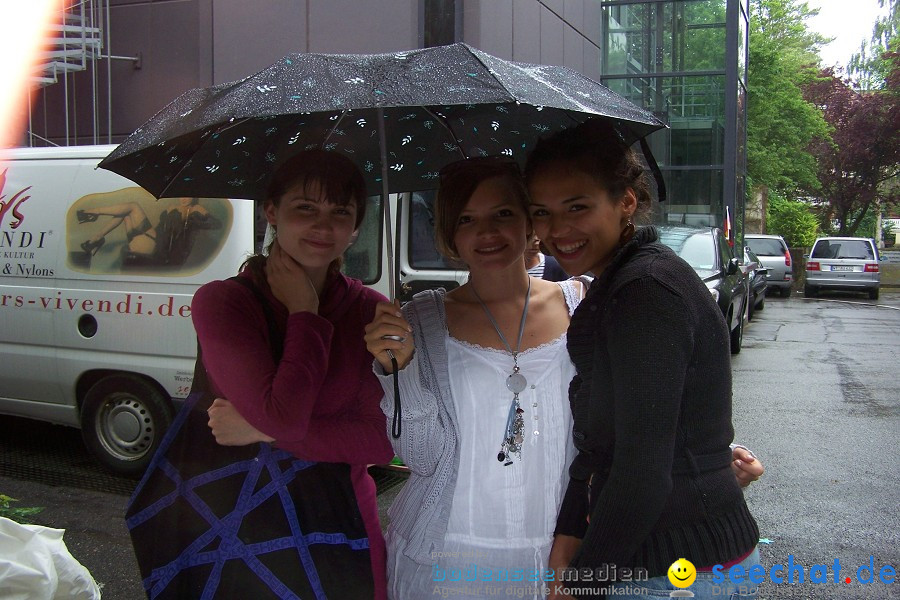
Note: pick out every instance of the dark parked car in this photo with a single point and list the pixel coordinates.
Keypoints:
(708, 252)
(756, 275)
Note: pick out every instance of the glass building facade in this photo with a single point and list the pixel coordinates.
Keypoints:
(686, 60)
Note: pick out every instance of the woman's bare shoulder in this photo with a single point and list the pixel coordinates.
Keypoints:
(549, 292)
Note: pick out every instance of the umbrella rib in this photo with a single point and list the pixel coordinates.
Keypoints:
(491, 71)
(447, 126)
(187, 163)
(333, 129)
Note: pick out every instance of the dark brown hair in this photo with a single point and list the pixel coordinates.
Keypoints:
(336, 175)
(457, 184)
(597, 149)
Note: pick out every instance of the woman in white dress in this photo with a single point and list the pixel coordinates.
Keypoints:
(485, 426)
(467, 522)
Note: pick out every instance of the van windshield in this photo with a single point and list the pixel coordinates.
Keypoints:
(852, 249)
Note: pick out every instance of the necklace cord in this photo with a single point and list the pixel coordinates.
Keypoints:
(509, 442)
(521, 322)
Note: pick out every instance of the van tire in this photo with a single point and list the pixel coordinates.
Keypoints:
(873, 294)
(785, 292)
(123, 420)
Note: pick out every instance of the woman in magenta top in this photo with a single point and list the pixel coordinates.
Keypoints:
(321, 400)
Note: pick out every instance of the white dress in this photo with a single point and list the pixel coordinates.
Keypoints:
(498, 539)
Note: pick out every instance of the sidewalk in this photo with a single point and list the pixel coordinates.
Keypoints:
(890, 268)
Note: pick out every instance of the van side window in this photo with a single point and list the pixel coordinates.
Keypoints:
(422, 251)
(362, 260)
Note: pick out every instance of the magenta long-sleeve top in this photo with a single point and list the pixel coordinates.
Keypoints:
(321, 400)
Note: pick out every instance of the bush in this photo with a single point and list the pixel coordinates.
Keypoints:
(792, 220)
(15, 513)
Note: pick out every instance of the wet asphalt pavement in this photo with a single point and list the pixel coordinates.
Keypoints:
(816, 397)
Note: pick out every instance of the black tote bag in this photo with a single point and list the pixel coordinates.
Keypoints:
(211, 521)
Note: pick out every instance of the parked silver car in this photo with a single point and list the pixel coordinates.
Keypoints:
(774, 255)
(843, 263)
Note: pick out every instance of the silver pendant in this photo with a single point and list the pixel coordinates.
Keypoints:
(516, 383)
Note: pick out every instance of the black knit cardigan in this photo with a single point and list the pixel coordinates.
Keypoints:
(652, 419)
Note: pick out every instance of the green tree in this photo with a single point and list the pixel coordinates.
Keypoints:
(793, 220)
(780, 122)
(870, 67)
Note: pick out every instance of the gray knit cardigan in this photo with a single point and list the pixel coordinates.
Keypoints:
(421, 511)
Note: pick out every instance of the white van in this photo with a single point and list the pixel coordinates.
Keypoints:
(96, 280)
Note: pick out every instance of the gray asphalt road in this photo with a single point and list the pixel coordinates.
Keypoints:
(816, 395)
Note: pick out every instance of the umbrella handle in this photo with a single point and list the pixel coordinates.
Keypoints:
(398, 412)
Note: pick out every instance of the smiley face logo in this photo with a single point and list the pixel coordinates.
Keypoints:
(682, 573)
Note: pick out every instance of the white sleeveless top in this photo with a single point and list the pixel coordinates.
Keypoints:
(493, 526)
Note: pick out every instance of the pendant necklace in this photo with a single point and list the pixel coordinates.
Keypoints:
(513, 435)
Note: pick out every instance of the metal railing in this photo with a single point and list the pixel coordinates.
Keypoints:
(79, 38)
(76, 38)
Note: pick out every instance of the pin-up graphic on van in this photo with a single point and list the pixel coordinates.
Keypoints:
(128, 230)
(96, 281)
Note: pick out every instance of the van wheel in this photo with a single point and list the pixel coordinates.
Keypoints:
(737, 336)
(873, 294)
(123, 420)
(785, 292)
(809, 291)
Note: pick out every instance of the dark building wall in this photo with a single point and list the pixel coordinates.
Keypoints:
(530, 32)
(197, 43)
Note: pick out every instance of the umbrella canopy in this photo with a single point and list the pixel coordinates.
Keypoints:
(399, 116)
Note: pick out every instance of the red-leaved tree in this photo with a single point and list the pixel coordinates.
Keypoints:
(858, 166)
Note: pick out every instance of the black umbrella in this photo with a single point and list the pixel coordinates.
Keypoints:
(400, 116)
(436, 106)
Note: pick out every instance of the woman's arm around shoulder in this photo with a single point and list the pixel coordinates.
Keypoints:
(745, 465)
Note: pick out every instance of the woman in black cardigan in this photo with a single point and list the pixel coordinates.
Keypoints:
(652, 398)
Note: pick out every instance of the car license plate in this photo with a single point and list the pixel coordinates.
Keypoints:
(841, 268)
